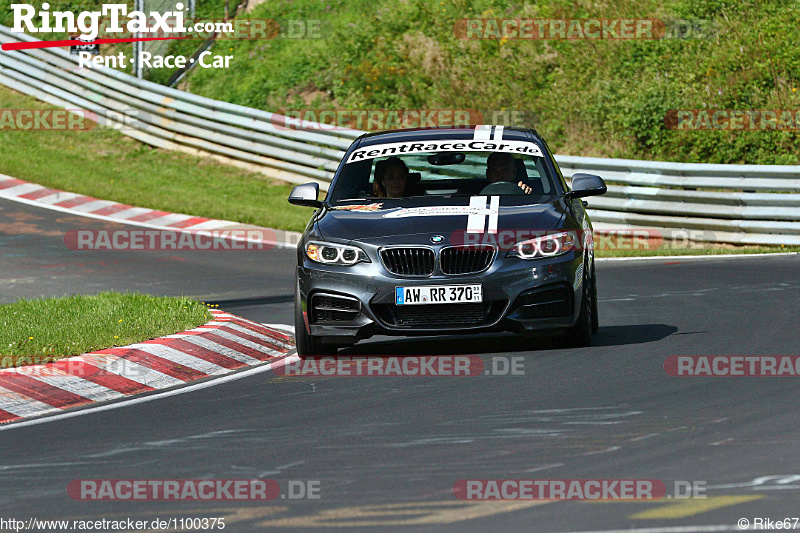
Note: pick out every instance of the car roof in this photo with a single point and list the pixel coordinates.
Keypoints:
(474, 132)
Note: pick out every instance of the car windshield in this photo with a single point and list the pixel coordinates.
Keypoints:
(523, 176)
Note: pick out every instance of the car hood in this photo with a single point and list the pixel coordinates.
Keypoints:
(416, 221)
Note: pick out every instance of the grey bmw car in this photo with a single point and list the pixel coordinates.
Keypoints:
(442, 231)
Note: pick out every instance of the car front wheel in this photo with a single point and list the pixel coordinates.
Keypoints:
(595, 316)
(580, 335)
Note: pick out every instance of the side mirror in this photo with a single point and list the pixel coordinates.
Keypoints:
(584, 185)
(305, 194)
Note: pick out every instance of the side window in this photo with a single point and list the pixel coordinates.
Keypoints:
(534, 168)
(354, 182)
(555, 164)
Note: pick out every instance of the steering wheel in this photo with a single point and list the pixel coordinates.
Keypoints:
(501, 187)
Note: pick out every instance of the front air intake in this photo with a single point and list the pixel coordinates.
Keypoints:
(327, 308)
(466, 259)
(408, 261)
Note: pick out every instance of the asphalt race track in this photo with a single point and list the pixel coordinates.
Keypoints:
(387, 451)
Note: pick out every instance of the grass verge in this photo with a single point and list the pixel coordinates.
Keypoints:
(44, 330)
(106, 164)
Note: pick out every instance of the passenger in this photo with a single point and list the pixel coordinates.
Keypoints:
(391, 178)
(501, 166)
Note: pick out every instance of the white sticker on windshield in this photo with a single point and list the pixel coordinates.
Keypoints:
(383, 150)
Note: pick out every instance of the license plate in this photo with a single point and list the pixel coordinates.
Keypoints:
(438, 294)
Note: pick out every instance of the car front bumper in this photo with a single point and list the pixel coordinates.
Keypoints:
(523, 296)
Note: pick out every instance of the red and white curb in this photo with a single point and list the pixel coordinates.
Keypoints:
(87, 206)
(219, 347)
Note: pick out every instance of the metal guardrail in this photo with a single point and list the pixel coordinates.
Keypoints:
(755, 204)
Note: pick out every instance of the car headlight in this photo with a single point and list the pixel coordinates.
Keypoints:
(335, 254)
(545, 246)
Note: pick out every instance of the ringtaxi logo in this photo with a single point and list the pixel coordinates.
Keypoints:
(88, 22)
(114, 21)
(403, 366)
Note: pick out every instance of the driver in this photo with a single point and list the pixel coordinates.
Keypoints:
(391, 178)
(501, 166)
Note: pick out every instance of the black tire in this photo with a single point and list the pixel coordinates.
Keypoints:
(307, 344)
(595, 315)
(580, 335)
